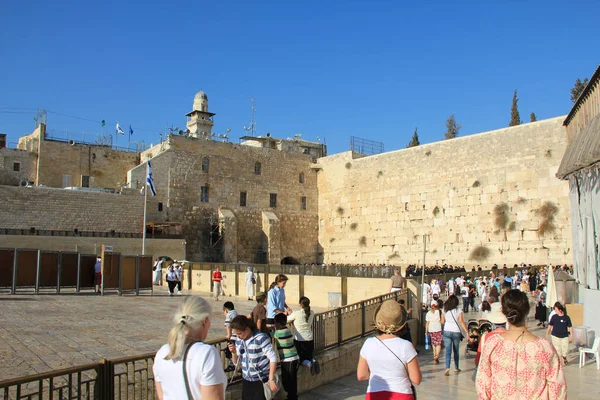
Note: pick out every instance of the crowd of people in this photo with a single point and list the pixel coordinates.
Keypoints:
(257, 344)
(262, 341)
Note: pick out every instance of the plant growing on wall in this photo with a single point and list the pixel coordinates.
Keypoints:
(380, 174)
(362, 241)
(348, 165)
(476, 184)
(512, 227)
(436, 211)
(479, 253)
(353, 226)
(547, 212)
(340, 211)
(501, 216)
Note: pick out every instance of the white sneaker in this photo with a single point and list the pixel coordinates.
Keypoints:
(179, 293)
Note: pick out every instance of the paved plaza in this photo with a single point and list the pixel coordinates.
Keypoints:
(40, 333)
(581, 383)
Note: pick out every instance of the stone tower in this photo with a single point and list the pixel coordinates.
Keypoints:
(199, 120)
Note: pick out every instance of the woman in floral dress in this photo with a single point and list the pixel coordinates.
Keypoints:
(518, 364)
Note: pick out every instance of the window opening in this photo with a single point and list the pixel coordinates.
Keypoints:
(273, 200)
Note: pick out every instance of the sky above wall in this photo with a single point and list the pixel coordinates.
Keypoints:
(327, 69)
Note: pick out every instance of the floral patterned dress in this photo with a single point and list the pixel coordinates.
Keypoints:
(511, 370)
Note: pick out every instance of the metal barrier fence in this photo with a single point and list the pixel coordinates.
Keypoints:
(132, 378)
(26, 269)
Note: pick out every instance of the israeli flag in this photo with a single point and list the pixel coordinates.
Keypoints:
(119, 130)
(150, 180)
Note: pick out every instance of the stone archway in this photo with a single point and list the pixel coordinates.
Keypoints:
(289, 261)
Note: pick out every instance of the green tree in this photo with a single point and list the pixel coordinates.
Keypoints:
(515, 118)
(578, 89)
(452, 128)
(414, 141)
(532, 117)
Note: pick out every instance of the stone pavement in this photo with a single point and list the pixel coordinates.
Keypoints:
(581, 383)
(40, 333)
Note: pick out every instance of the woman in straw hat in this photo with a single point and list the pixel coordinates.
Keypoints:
(204, 377)
(388, 362)
(517, 363)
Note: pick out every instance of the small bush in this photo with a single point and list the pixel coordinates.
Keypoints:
(379, 174)
(331, 240)
(501, 216)
(548, 210)
(362, 241)
(546, 226)
(348, 165)
(428, 153)
(436, 211)
(353, 226)
(521, 200)
(393, 255)
(479, 253)
(340, 211)
(476, 184)
(512, 227)
(548, 153)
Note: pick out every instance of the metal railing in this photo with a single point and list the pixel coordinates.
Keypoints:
(132, 378)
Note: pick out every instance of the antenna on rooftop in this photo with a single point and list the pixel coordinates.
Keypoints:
(252, 127)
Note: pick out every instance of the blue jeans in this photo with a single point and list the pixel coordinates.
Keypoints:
(452, 341)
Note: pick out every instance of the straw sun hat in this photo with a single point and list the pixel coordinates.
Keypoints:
(495, 316)
(390, 317)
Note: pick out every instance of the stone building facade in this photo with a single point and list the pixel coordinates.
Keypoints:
(235, 202)
(480, 199)
(74, 164)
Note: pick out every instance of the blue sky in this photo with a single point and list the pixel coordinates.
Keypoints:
(328, 69)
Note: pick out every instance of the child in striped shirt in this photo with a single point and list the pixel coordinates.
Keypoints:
(287, 355)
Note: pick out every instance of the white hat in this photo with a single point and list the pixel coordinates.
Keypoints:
(495, 316)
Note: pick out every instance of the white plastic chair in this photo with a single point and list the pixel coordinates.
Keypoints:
(594, 350)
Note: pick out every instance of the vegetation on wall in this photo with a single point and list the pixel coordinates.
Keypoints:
(512, 226)
(362, 241)
(380, 174)
(353, 226)
(340, 211)
(547, 212)
(532, 117)
(501, 216)
(348, 165)
(479, 253)
(476, 184)
(521, 200)
(436, 211)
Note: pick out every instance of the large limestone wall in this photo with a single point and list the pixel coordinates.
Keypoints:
(179, 177)
(66, 210)
(377, 208)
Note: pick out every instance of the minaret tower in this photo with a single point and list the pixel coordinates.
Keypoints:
(199, 120)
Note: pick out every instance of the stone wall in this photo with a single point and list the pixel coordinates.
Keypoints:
(491, 191)
(66, 210)
(107, 168)
(174, 248)
(26, 165)
(178, 177)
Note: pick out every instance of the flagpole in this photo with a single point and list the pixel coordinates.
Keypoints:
(145, 203)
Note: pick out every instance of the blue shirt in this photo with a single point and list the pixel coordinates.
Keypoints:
(275, 301)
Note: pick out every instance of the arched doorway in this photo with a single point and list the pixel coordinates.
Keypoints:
(289, 261)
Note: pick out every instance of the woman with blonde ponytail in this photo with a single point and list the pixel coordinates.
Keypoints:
(203, 366)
